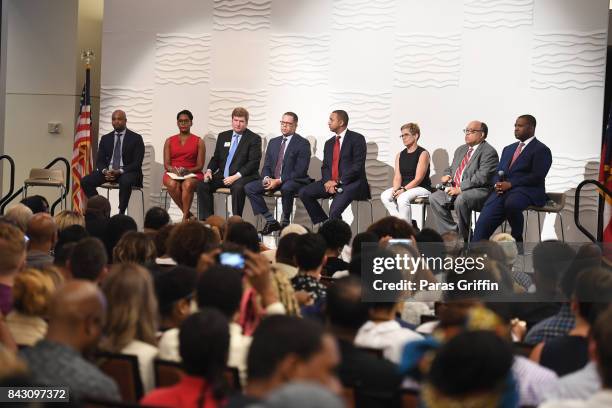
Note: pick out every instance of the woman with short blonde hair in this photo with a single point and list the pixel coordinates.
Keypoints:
(66, 218)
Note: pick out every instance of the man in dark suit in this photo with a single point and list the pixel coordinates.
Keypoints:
(471, 173)
(524, 165)
(120, 156)
(234, 164)
(343, 171)
(285, 168)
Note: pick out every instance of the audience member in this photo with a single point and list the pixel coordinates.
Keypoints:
(188, 241)
(32, 292)
(136, 247)
(392, 227)
(204, 343)
(361, 241)
(42, 232)
(243, 233)
(337, 234)
(310, 258)
(175, 289)
(67, 218)
(155, 219)
(285, 255)
(303, 395)
(88, 260)
(76, 316)
(20, 215)
(131, 320)
(97, 216)
(118, 225)
(12, 260)
(36, 203)
(67, 240)
(510, 250)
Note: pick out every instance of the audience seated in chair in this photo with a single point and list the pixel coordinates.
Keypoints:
(337, 235)
(42, 232)
(88, 260)
(135, 247)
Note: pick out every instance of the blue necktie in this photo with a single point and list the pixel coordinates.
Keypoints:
(230, 156)
(117, 153)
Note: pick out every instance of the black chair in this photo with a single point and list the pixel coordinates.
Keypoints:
(123, 368)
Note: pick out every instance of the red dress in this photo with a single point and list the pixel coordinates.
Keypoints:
(184, 155)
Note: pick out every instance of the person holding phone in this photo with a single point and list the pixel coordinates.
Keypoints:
(183, 161)
(410, 177)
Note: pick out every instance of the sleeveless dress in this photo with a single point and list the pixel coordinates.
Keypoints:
(184, 156)
(408, 164)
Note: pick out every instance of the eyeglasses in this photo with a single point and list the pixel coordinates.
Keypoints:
(184, 121)
(286, 123)
(470, 131)
(406, 135)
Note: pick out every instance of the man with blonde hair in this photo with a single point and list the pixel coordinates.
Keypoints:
(234, 163)
(12, 260)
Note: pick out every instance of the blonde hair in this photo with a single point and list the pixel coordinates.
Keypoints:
(32, 292)
(135, 247)
(413, 128)
(67, 218)
(20, 214)
(10, 364)
(132, 307)
(12, 247)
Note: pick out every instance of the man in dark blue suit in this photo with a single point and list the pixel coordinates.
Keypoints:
(285, 168)
(343, 171)
(119, 160)
(519, 183)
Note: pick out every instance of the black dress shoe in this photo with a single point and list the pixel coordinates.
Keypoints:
(270, 227)
(284, 223)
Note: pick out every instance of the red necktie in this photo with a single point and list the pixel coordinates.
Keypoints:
(336, 159)
(517, 153)
(464, 162)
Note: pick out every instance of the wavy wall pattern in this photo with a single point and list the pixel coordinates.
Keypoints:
(299, 60)
(427, 60)
(569, 59)
(182, 59)
(223, 101)
(363, 14)
(248, 15)
(567, 172)
(497, 13)
(137, 104)
(370, 115)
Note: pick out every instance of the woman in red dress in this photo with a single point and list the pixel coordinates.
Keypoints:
(183, 155)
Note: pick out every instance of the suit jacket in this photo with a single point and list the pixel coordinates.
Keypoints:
(246, 158)
(132, 152)
(295, 160)
(351, 167)
(480, 169)
(528, 173)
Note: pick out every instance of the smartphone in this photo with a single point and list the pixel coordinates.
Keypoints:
(232, 259)
(404, 242)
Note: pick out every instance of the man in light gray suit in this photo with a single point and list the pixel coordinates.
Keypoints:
(471, 174)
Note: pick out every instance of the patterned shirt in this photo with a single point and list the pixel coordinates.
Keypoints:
(60, 365)
(554, 326)
(310, 284)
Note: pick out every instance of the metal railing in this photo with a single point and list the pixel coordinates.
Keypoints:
(11, 180)
(579, 225)
(56, 202)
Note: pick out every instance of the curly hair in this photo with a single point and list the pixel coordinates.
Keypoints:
(32, 291)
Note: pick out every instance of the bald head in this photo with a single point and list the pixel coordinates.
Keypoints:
(475, 132)
(76, 314)
(119, 119)
(42, 230)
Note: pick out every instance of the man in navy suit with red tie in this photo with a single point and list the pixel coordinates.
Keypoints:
(520, 182)
(120, 156)
(285, 168)
(343, 171)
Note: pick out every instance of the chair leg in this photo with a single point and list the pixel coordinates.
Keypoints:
(424, 207)
(371, 212)
(142, 200)
(526, 226)
(562, 229)
(539, 228)
(226, 207)
(358, 217)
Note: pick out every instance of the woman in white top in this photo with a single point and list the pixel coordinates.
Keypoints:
(411, 175)
(131, 319)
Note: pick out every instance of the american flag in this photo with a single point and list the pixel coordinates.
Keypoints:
(81, 150)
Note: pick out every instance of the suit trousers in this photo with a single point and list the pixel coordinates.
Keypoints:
(205, 195)
(126, 181)
(498, 208)
(314, 191)
(465, 203)
(255, 191)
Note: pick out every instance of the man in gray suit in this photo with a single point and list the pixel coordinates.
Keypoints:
(471, 174)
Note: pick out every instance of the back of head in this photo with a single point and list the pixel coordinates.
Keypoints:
(161, 239)
(285, 252)
(220, 287)
(303, 395)
(88, 259)
(508, 245)
(136, 247)
(392, 227)
(156, 218)
(593, 291)
(98, 206)
(336, 233)
(367, 238)
(188, 241)
(472, 364)
(32, 291)
(66, 218)
(602, 334)
(204, 345)
(293, 229)
(243, 233)
(12, 248)
(309, 251)
(36, 203)
(588, 256)
(280, 336)
(173, 285)
(42, 229)
(118, 225)
(551, 259)
(132, 307)
(344, 306)
(20, 214)
(428, 235)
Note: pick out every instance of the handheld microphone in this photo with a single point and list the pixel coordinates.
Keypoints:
(339, 188)
(501, 175)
